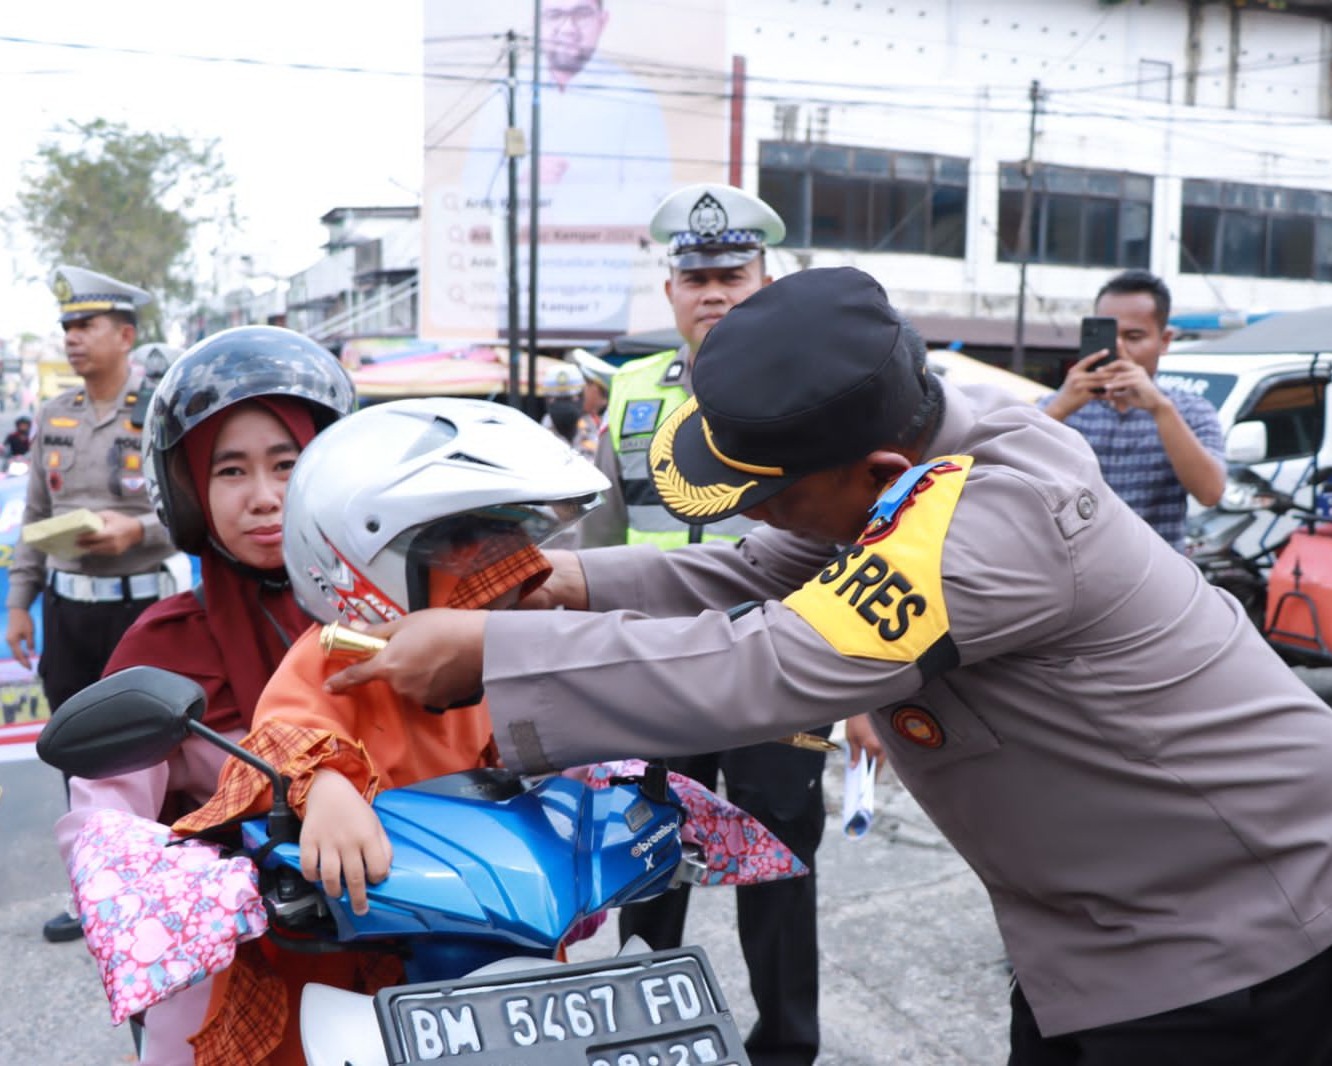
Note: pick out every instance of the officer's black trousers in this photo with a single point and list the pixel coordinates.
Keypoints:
(77, 640)
(778, 921)
(1285, 1021)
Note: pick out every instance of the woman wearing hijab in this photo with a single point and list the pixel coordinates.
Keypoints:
(226, 425)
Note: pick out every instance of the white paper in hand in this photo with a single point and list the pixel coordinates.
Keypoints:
(858, 796)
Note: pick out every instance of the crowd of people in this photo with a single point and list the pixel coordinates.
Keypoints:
(802, 525)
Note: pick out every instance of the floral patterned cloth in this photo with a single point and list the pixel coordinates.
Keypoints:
(158, 919)
(738, 848)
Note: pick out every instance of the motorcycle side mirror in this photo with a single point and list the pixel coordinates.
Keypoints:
(1246, 442)
(1247, 491)
(128, 721)
(135, 719)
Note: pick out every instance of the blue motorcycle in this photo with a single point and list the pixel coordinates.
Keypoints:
(490, 873)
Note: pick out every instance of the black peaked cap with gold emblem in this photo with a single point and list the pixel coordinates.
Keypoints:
(809, 373)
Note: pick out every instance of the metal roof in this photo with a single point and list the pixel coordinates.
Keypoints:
(1291, 331)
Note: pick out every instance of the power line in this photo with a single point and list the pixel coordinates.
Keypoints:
(874, 95)
(643, 64)
(658, 68)
(247, 61)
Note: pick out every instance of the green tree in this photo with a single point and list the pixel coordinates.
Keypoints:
(128, 204)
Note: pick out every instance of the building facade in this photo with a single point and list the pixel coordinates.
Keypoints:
(974, 157)
(922, 141)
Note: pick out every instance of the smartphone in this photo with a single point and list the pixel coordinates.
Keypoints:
(1099, 331)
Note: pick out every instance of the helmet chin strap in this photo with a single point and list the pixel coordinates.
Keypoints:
(274, 580)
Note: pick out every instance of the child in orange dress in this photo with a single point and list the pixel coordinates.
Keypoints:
(406, 505)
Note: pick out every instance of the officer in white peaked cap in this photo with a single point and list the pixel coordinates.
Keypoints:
(84, 293)
(711, 225)
(715, 237)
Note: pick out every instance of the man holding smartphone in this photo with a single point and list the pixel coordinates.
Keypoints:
(1156, 446)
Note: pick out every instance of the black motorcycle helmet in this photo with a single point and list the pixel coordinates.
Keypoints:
(224, 369)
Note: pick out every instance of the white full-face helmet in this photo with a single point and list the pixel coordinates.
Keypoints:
(393, 491)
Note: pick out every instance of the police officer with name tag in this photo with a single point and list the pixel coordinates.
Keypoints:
(86, 454)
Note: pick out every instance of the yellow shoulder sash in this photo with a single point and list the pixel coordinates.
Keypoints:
(882, 597)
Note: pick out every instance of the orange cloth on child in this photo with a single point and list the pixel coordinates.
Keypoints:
(377, 740)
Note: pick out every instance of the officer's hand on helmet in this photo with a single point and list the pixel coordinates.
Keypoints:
(566, 586)
(433, 657)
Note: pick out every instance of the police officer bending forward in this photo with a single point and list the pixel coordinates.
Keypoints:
(1140, 783)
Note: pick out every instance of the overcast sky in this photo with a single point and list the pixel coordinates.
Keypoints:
(299, 138)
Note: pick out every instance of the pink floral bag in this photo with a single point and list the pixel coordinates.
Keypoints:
(158, 919)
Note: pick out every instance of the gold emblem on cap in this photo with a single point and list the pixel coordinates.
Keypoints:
(694, 501)
(338, 639)
(64, 291)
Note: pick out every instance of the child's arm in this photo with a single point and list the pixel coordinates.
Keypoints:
(299, 728)
(342, 839)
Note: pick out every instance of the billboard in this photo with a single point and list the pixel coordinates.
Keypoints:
(632, 102)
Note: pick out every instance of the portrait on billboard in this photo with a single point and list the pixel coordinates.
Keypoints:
(621, 121)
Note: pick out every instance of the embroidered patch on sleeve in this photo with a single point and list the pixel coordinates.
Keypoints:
(882, 598)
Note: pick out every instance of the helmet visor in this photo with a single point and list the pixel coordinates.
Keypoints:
(477, 557)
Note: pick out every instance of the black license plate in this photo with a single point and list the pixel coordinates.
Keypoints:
(659, 1009)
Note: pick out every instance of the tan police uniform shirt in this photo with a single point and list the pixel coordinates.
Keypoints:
(1143, 786)
(80, 460)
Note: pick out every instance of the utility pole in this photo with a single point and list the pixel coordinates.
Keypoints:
(737, 120)
(1019, 359)
(533, 213)
(514, 147)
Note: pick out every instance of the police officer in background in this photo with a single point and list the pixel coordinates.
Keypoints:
(86, 454)
(716, 236)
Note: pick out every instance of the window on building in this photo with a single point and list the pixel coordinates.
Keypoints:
(1092, 218)
(866, 199)
(1154, 80)
(1255, 230)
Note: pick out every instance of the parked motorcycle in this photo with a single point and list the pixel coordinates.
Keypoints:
(490, 870)
(1299, 586)
(1285, 588)
(1213, 539)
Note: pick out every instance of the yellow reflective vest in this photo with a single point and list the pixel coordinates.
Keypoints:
(642, 394)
